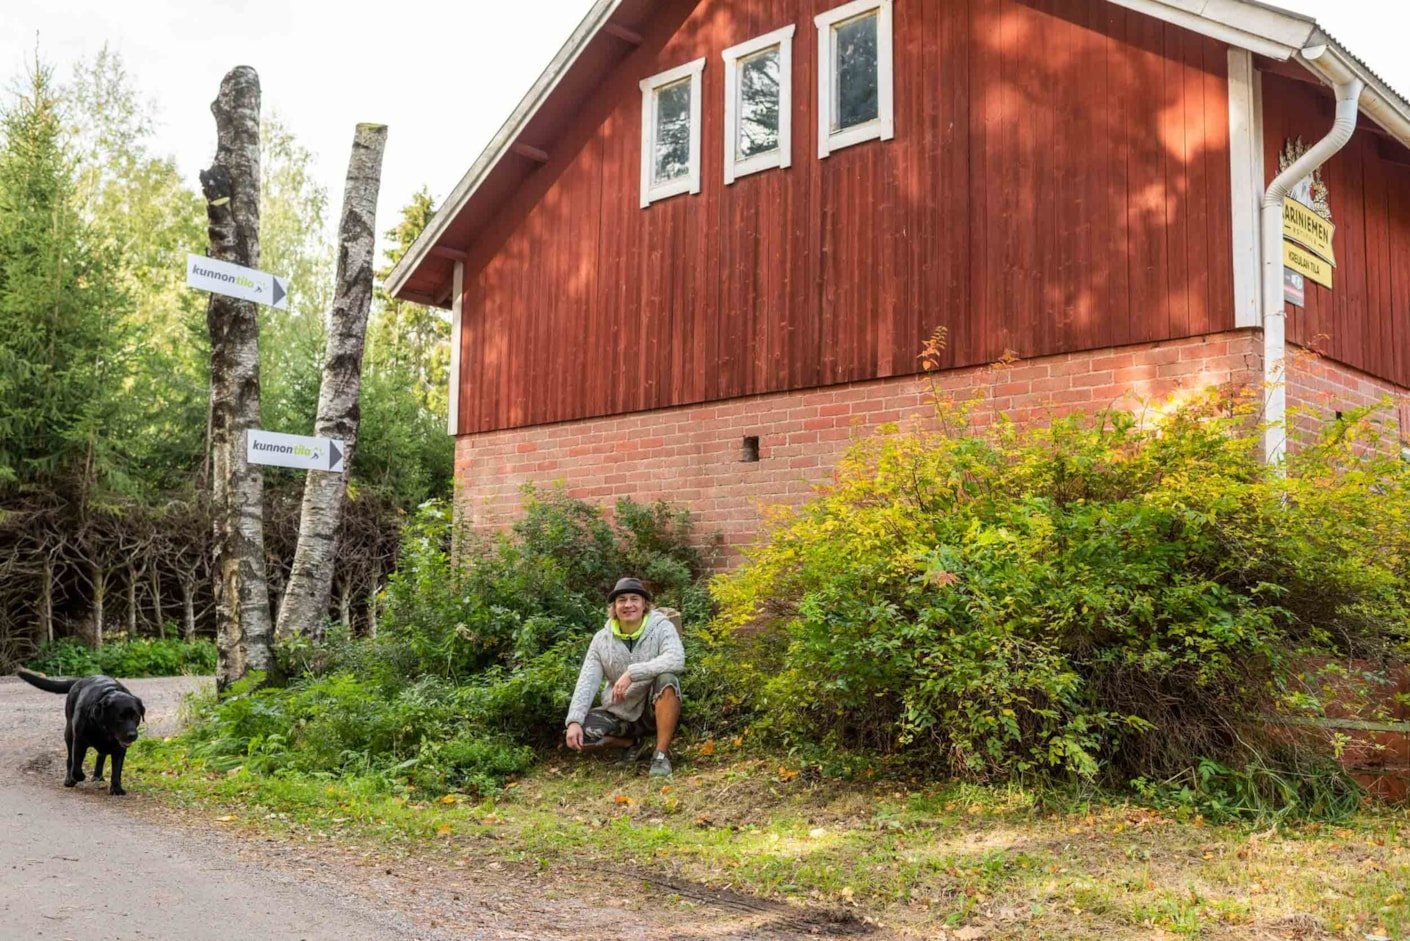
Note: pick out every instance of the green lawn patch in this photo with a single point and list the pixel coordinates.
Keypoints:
(1012, 862)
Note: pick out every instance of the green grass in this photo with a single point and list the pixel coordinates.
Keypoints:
(906, 853)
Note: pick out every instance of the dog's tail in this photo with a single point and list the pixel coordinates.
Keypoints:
(46, 683)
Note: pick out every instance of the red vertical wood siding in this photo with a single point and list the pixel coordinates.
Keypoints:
(1059, 181)
(1364, 319)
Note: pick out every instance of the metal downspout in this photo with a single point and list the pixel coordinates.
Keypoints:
(1348, 93)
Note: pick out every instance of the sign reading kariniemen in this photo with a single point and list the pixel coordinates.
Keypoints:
(1307, 264)
(1308, 229)
(304, 453)
(222, 277)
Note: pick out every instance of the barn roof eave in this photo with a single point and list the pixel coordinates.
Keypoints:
(499, 145)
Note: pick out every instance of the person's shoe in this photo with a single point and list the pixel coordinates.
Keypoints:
(660, 766)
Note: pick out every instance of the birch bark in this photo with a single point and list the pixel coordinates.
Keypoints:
(306, 599)
(231, 187)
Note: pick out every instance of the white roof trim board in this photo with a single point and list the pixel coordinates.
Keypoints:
(1246, 24)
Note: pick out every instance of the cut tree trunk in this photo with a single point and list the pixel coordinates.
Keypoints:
(231, 187)
(306, 599)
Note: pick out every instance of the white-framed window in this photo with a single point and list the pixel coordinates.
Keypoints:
(670, 133)
(759, 104)
(854, 75)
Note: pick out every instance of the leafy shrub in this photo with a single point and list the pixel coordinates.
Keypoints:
(509, 597)
(126, 658)
(478, 650)
(1099, 599)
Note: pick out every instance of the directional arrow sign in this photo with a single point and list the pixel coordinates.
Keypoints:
(304, 453)
(222, 277)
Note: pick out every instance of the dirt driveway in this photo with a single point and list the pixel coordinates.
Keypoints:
(81, 864)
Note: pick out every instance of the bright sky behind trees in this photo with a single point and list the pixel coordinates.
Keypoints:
(443, 76)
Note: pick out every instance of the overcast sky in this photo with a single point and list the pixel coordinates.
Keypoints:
(442, 76)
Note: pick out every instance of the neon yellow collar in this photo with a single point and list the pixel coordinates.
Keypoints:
(617, 630)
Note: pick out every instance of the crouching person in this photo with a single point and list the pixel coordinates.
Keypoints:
(638, 653)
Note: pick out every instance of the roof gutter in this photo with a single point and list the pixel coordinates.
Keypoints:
(1329, 61)
(1348, 88)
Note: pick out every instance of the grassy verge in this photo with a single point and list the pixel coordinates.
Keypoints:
(915, 856)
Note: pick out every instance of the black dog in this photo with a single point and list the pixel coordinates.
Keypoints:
(101, 715)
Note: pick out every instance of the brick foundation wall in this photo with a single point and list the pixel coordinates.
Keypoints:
(1318, 388)
(692, 455)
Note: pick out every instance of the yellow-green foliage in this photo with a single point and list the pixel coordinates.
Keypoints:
(1100, 598)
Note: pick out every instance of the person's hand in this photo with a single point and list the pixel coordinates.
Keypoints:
(619, 688)
(574, 738)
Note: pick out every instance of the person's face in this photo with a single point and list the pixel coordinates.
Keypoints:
(629, 608)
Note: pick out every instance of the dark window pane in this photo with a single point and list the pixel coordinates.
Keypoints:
(672, 138)
(856, 78)
(758, 103)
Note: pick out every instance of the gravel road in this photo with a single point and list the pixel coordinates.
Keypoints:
(81, 864)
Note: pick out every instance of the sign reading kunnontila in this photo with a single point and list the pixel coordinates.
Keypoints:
(248, 284)
(297, 451)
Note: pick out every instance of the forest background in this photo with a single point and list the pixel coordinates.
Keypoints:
(104, 363)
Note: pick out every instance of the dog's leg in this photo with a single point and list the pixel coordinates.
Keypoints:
(116, 786)
(78, 749)
(98, 766)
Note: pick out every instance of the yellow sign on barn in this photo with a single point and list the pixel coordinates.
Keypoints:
(1307, 264)
(1308, 229)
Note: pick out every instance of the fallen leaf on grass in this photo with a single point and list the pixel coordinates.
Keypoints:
(443, 830)
(707, 748)
(449, 799)
(622, 799)
(787, 774)
(225, 819)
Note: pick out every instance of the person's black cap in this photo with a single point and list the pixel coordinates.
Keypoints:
(628, 586)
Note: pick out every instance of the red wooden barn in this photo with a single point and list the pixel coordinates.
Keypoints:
(706, 249)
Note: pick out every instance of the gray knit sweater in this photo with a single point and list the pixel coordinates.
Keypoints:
(658, 650)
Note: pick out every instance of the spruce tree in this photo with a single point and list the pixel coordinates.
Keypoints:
(62, 313)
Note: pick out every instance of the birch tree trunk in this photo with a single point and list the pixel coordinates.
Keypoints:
(310, 587)
(132, 576)
(100, 594)
(156, 580)
(372, 610)
(46, 601)
(231, 187)
(188, 610)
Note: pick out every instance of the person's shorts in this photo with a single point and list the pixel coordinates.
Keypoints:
(600, 723)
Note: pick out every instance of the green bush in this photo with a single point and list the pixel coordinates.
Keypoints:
(512, 596)
(126, 658)
(1100, 600)
(478, 650)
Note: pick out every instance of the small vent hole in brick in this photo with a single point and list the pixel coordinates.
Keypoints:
(749, 454)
